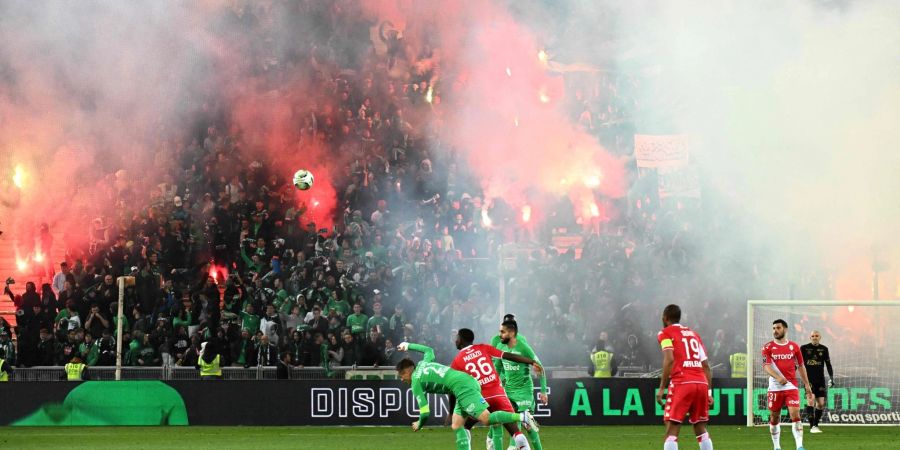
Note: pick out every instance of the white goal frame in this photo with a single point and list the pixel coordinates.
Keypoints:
(751, 304)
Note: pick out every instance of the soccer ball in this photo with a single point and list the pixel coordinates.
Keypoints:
(303, 179)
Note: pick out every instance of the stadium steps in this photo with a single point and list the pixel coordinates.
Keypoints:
(9, 268)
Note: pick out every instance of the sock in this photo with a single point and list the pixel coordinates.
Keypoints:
(490, 441)
(671, 443)
(462, 439)
(705, 442)
(818, 414)
(495, 433)
(498, 417)
(797, 430)
(775, 431)
(535, 439)
(811, 416)
(521, 441)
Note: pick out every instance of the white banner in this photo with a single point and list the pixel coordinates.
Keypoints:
(678, 182)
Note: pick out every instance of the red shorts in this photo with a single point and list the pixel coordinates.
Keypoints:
(683, 399)
(499, 402)
(777, 400)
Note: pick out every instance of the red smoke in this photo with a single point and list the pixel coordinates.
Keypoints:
(505, 111)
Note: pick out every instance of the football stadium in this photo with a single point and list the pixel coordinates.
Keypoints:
(414, 224)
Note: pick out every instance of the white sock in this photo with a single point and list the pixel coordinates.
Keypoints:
(705, 442)
(671, 443)
(775, 430)
(521, 442)
(797, 429)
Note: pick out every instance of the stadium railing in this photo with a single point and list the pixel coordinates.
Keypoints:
(100, 373)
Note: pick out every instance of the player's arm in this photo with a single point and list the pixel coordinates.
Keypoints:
(828, 366)
(428, 352)
(667, 363)
(708, 372)
(527, 351)
(781, 380)
(805, 378)
(801, 367)
(767, 367)
(521, 359)
(704, 362)
(422, 400)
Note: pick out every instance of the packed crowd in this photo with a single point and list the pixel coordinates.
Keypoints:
(222, 248)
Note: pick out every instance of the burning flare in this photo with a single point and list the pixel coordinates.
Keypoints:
(19, 176)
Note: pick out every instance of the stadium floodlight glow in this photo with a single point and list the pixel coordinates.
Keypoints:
(861, 337)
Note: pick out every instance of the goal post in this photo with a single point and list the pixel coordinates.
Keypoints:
(862, 339)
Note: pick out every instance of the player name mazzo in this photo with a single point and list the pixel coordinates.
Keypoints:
(471, 356)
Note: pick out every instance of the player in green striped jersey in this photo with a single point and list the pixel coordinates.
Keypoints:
(429, 377)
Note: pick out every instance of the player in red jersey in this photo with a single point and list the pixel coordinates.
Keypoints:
(685, 362)
(781, 359)
(478, 360)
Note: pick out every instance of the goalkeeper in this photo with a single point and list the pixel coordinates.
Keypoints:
(817, 359)
(429, 377)
(517, 377)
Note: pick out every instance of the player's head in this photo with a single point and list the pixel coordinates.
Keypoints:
(671, 314)
(508, 330)
(509, 317)
(405, 369)
(464, 338)
(815, 337)
(779, 329)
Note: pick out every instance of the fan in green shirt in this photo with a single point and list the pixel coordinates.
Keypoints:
(249, 319)
(357, 322)
(429, 377)
(517, 377)
(341, 306)
(89, 350)
(377, 320)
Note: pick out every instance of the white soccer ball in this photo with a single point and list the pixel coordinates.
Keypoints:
(303, 179)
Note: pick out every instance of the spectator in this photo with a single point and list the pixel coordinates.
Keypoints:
(270, 325)
(96, 322)
(373, 350)
(284, 367)
(265, 353)
(350, 355)
(7, 348)
(317, 323)
(357, 322)
(89, 350)
(60, 278)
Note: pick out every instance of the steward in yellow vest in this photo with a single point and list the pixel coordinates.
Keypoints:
(75, 369)
(5, 370)
(209, 362)
(738, 362)
(603, 361)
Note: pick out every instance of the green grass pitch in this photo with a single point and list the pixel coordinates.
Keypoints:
(434, 437)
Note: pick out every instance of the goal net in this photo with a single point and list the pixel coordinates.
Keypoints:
(862, 339)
